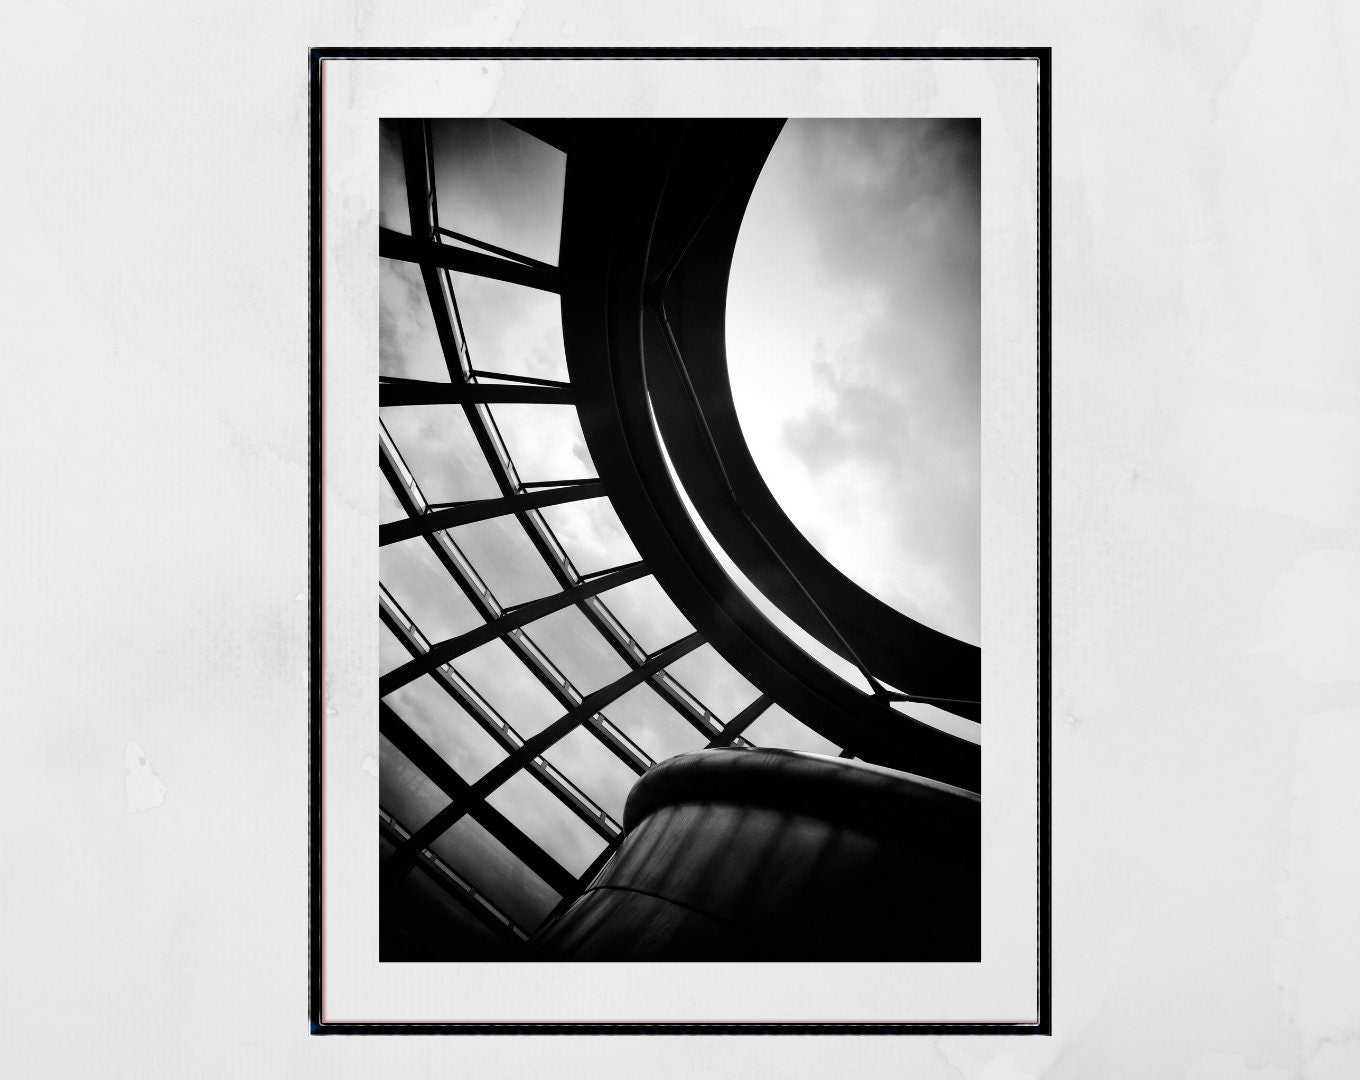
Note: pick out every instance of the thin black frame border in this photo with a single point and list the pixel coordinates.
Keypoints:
(1044, 57)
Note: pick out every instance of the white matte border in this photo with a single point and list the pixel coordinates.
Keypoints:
(1003, 987)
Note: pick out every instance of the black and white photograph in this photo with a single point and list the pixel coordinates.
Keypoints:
(709, 518)
(679, 540)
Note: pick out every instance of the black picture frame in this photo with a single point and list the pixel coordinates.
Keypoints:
(1043, 921)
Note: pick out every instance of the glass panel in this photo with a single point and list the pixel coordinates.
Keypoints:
(437, 443)
(500, 185)
(408, 344)
(776, 728)
(545, 441)
(404, 791)
(389, 506)
(591, 533)
(713, 681)
(500, 551)
(595, 769)
(510, 329)
(545, 819)
(393, 211)
(489, 867)
(577, 649)
(430, 711)
(429, 908)
(657, 728)
(391, 652)
(509, 687)
(647, 613)
(419, 582)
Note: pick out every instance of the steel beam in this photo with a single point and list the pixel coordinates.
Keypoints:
(400, 861)
(420, 752)
(576, 801)
(395, 245)
(741, 721)
(433, 521)
(444, 651)
(394, 391)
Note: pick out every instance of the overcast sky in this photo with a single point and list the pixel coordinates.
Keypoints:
(853, 330)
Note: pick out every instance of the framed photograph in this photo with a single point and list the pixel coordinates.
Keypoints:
(709, 539)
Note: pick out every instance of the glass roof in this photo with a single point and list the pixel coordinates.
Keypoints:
(545, 442)
(389, 506)
(645, 718)
(405, 792)
(408, 343)
(491, 867)
(554, 805)
(508, 686)
(510, 329)
(392, 209)
(577, 649)
(441, 451)
(775, 727)
(592, 535)
(531, 806)
(649, 615)
(414, 577)
(431, 712)
(391, 652)
(499, 185)
(501, 552)
(711, 678)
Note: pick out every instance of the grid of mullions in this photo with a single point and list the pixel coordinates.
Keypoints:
(505, 794)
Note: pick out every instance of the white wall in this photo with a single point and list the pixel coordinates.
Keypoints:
(1206, 564)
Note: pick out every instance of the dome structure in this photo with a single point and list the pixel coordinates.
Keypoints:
(582, 573)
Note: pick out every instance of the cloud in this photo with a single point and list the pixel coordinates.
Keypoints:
(408, 344)
(887, 437)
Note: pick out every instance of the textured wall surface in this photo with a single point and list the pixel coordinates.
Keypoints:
(1206, 538)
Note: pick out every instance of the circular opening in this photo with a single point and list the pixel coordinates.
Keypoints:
(853, 345)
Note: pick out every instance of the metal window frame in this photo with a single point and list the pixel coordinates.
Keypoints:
(519, 501)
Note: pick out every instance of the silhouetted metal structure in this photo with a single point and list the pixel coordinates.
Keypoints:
(650, 218)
